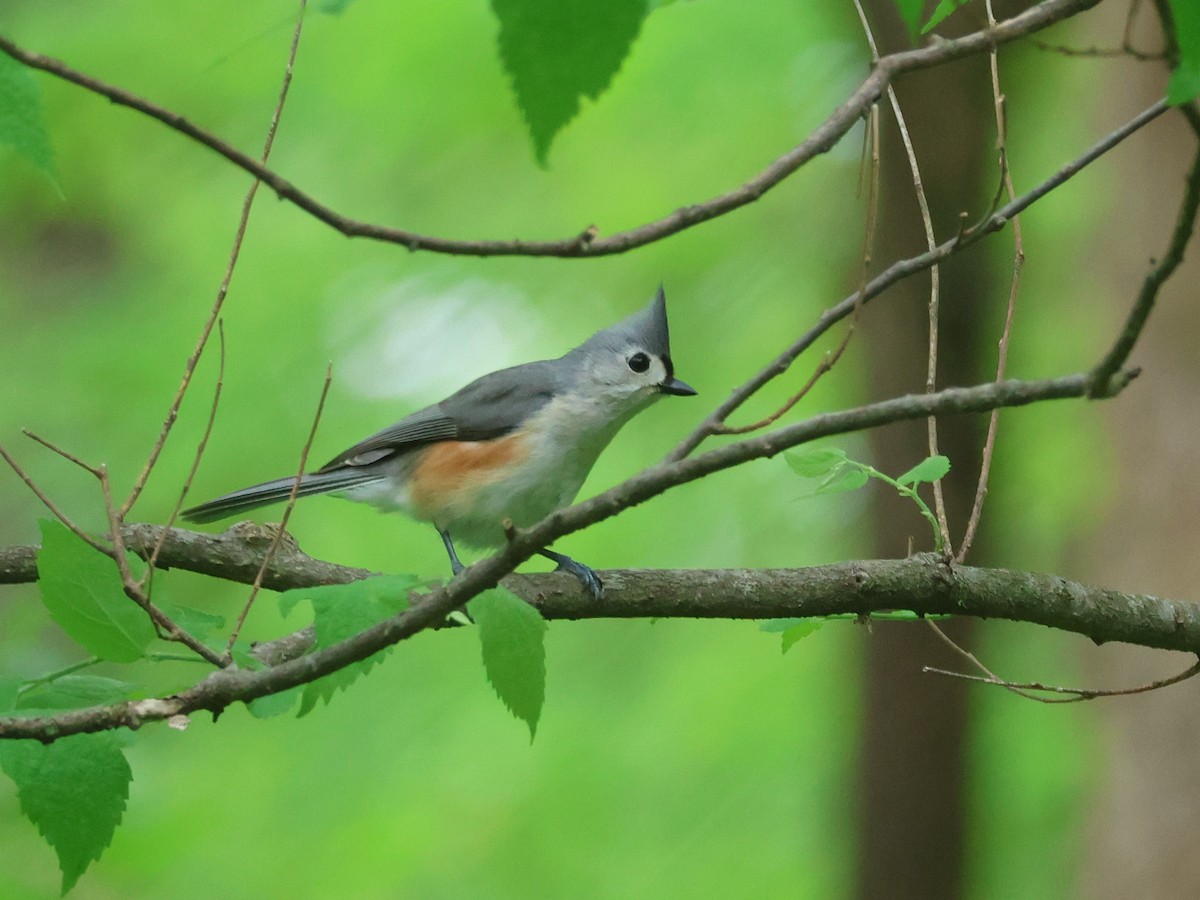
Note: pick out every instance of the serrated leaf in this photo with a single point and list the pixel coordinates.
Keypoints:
(1185, 80)
(940, 13)
(841, 481)
(341, 611)
(813, 462)
(927, 470)
(21, 123)
(82, 591)
(558, 51)
(75, 692)
(74, 791)
(512, 635)
(910, 12)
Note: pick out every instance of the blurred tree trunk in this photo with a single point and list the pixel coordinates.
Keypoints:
(912, 771)
(1144, 821)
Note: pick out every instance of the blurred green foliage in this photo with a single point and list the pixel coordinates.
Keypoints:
(675, 758)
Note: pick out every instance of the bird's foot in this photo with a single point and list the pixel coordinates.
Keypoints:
(587, 577)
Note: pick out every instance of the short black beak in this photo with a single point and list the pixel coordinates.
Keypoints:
(676, 387)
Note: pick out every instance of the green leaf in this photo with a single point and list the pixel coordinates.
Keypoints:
(21, 125)
(82, 591)
(799, 631)
(273, 704)
(842, 480)
(75, 692)
(557, 51)
(512, 634)
(940, 13)
(74, 791)
(1185, 80)
(791, 630)
(199, 624)
(928, 470)
(813, 462)
(910, 12)
(332, 7)
(341, 611)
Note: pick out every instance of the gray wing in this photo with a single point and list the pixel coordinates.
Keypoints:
(489, 407)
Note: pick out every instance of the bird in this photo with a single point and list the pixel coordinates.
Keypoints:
(505, 451)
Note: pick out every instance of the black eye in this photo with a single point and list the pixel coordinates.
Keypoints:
(639, 362)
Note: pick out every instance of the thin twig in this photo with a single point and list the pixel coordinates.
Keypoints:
(939, 499)
(586, 243)
(1078, 695)
(1099, 52)
(196, 458)
(223, 290)
(1123, 346)
(870, 169)
(54, 448)
(164, 625)
(53, 507)
(989, 443)
(903, 269)
(974, 660)
(281, 530)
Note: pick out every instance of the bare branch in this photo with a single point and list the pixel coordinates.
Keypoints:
(989, 443)
(52, 506)
(903, 269)
(1185, 223)
(1077, 695)
(214, 314)
(273, 548)
(586, 243)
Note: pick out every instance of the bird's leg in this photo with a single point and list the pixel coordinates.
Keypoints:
(589, 579)
(455, 565)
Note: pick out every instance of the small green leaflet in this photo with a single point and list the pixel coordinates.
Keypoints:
(512, 634)
(813, 462)
(74, 791)
(791, 630)
(21, 125)
(82, 591)
(910, 12)
(837, 472)
(557, 51)
(341, 611)
(1185, 80)
(927, 471)
(940, 13)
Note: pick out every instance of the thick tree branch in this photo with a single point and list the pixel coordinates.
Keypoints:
(586, 244)
(922, 584)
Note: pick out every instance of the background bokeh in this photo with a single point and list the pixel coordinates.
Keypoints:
(673, 758)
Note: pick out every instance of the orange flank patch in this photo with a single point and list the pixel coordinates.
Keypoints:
(450, 472)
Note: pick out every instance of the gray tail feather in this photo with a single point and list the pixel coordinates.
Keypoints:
(275, 492)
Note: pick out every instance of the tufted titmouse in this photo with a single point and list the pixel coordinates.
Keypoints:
(513, 445)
